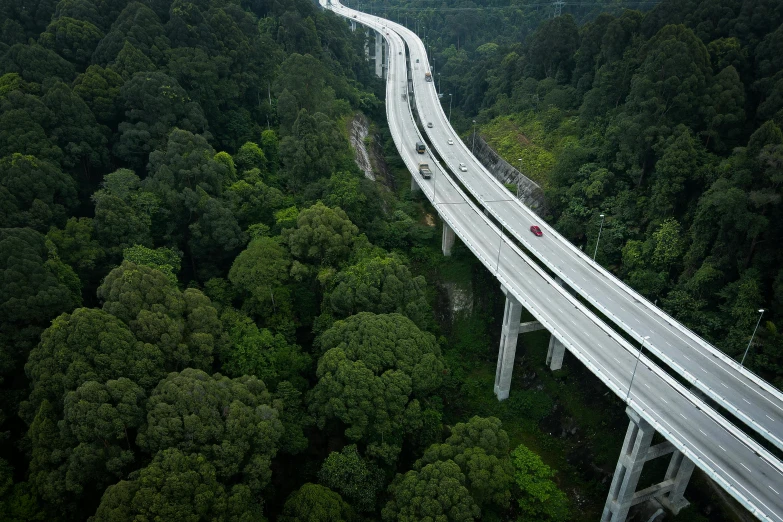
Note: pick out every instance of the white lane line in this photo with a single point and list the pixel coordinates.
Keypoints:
(703, 433)
(744, 466)
(664, 400)
(773, 489)
(721, 447)
(647, 385)
(746, 400)
(686, 357)
(683, 416)
(770, 418)
(723, 385)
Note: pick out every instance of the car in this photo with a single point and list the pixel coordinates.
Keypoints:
(429, 124)
(354, 16)
(536, 231)
(451, 142)
(462, 167)
(400, 53)
(417, 60)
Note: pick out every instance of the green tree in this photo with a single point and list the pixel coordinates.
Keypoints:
(540, 497)
(380, 285)
(77, 246)
(137, 25)
(177, 486)
(374, 369)
(163, 259)
(261, 353)
(184, 325)
(35, 64)
(154, 104)
(34, 193)
(100, 88)
(35, 287)
(130, 61)
(355, 478)
(74, 40)
(322, 235)
(232, 422)
(437, 492)
(313, 150)
(315, 503)
(123, 212)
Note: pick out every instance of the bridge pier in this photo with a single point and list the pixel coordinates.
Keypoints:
(448, 240)
(636, 451)
(414, 186)
(508, 345)
(378, 55)
(555, 354)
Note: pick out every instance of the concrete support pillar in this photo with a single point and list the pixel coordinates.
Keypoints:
(555, 354)
(415, 186)
(508, 345)
(629, 468)
(353, 25)
(448, 241)
(679, 473)
(636, 451)
(378, 55)
(385, 59)
(556, 351)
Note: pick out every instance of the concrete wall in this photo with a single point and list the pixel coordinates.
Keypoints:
(529, 192)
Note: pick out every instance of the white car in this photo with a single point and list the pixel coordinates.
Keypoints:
(451, 142)
(462, 167)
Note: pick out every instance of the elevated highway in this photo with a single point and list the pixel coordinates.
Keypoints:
(697, 434)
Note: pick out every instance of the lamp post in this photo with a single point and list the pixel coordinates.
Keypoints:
(439, 91)
(450, 99)
(634, 367)
(473, 147)
(761, 313)
(599, 237)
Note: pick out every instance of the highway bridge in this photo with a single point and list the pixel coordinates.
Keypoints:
(542, 274)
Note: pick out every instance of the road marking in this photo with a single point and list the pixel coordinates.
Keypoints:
(648, 386)
(664, 400)
(723, 385)
(744, 466)
(686, 357)
(669, 344)
(746, 400)
(683, 416)
(721, 447)
(773, 489)
(770, 418)
(703, 433)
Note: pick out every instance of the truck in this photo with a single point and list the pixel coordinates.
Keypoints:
(428, 76)
(424, 170)
(420, 147)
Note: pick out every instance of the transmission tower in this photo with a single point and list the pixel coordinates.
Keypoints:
(558, 7)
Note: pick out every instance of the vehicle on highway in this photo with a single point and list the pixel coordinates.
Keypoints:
(536, 231)
(451, 142)
(354, 16)
(399, 52)
(428, 76)
(417, 60)
(462, 167)
(424, 170)
(429, 124)
(420, 147)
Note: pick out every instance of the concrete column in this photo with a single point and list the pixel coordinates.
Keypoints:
(353, 25)
(629, 468)
(385, 59)
(508, 345)
(555, 354)
(448, 241)
(378, 55)
(679, 473)
(415, 186)
(556, 351)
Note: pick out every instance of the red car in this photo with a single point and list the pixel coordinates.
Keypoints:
(535, 230)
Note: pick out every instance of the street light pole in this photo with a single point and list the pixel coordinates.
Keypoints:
(634, 367)
(599, 237)
(450, 100)
(761, 313)
(473, 147)
(439, 91)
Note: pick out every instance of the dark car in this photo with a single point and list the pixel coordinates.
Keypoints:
(535, 230)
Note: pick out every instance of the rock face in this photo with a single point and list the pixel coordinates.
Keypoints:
(358, 128)
(530, 192)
